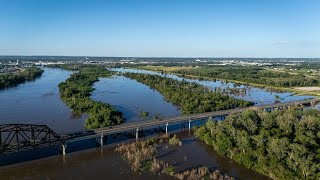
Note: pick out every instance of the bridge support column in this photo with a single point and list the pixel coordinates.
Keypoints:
(167, 124)
(137, 133)
(101, 140)
(189, 125)
(64, 147)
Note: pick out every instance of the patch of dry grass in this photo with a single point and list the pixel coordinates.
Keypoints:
(137, 153)
(313, 88)
(175, 141)
(142, 156)
(202, 173)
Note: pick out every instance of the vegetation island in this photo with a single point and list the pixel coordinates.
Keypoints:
(23, 75)
(76, 91)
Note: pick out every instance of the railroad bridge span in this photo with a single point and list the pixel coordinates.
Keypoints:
(19, 137)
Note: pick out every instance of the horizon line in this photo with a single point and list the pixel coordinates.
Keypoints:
(158, 57)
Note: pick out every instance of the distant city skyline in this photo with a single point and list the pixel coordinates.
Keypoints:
(161, 28)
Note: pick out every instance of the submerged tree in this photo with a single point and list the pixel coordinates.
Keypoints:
(282, 144)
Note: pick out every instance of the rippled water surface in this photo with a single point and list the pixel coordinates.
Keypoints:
(131, 98)
(104, 163)
(38, 102)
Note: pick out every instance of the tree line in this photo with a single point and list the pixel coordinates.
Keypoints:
(76, 91)
(282, 144)
(250, 74)
(28, 74)
(191, 97)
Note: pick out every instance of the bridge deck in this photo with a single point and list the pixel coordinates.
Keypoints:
(28, 136)
(176, 119)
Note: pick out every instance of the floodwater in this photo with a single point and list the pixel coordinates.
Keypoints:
(259, 96)
(38, 102)
(99, 163)
(104, 163)
(193, 153)
(131, 98)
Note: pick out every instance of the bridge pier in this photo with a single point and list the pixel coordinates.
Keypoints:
(137, 133)
(64, 148)
(167, 124)
(101, 140)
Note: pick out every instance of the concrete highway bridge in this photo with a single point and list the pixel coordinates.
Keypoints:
(19, 137)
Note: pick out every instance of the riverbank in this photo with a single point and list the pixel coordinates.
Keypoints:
(13, 79)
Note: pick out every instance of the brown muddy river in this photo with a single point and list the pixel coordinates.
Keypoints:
(38, 102)
(104, 163)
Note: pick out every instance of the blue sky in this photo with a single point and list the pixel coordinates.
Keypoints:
(158, 28)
